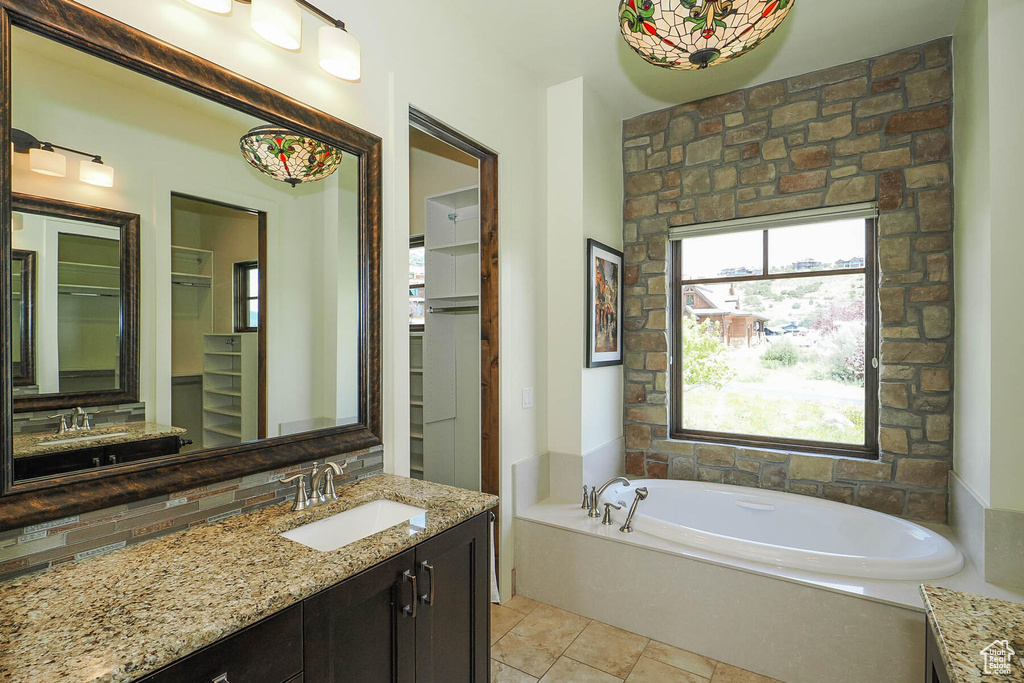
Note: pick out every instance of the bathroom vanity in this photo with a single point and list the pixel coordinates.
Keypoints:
(237, 602)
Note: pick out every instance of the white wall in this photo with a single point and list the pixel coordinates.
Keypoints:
(584, 201)
(430, 55)
(988, 145)
(435, 168)
(972, 250)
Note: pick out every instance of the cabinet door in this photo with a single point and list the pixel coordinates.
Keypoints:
(359, 631)
(453, 624)
(269, 651)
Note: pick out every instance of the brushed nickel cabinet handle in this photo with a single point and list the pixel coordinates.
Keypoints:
(428, 597)
(410, 609)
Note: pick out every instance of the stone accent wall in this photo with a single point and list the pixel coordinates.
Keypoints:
(93, 533)
(874, 130)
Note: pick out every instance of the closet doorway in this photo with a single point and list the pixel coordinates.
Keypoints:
(453, 307)
(219, 322)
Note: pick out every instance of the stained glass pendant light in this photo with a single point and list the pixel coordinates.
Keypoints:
(694, 34)
(288, 156)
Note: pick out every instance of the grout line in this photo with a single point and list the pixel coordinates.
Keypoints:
(591, 666)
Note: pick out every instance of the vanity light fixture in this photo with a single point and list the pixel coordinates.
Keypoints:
(288, 156)
(280, 22)
(44, 160)
(695, 34)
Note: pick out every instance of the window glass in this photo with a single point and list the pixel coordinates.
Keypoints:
(417, 284)
(730, 255)
(785, 355)
(820, 246)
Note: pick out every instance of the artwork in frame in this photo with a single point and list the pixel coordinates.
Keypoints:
(604, 305)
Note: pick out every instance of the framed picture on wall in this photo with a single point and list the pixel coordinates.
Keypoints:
(604, 305)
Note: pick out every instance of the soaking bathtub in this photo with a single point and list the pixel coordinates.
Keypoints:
(787, 530)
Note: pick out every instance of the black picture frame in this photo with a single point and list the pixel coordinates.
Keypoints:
(608, 323)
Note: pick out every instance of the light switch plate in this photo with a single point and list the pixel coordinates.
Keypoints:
(528, 397)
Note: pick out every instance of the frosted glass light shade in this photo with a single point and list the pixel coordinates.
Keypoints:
(339, 53)
(695, 34)
(218, 6)
(278, 22)
(47, 162)
(96, 173)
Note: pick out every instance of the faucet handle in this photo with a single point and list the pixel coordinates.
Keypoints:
(86, 420)
(608, 513)
(333, 470)
(301, 496)
(63, 422)
(586, 499)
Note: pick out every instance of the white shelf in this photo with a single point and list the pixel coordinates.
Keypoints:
(457, 249)
(223, 353)
(191, 279)
(223, 431)
(87, 267)
(416, 435)
(225, 373)
(227, 412)
(223, 392)
(455, 298)
(87, 289)
(416, 371)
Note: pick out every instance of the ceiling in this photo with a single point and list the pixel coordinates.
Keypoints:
(559, 41)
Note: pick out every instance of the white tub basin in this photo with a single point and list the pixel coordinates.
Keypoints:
(356, 524)
(79, 439)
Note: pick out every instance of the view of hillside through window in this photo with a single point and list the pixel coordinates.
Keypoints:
(775, 344)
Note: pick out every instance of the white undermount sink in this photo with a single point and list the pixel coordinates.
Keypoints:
(356, 524)
(78, 439)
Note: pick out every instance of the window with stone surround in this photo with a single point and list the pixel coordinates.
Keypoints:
(774, 332)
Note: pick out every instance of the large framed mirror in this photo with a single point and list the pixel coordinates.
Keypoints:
(204, 259)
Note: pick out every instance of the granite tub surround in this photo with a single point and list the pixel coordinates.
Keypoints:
(966, 624)
(28, 445)
(876, 130)
(32, 548)
(117, 617)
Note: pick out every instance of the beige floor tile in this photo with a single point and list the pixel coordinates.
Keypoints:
(522, 604)
(649, 670)
(607, 648)
(680, 659)
(536, 642)
(724, 673)
(503, 673)
(502, 621)
(567, 670)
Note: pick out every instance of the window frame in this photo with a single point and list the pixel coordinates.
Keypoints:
(870, 448)
(242, 269)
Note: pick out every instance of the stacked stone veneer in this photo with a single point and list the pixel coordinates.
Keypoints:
(873, 130)
(93, 533)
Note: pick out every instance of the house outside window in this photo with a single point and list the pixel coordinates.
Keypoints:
(774, 333)
(247, 296)
(417, 282)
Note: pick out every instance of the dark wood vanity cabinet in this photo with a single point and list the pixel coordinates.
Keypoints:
(90, 457)
(422, 616)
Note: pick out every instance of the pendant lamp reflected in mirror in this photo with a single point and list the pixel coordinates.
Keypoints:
(695, 34)
(288, 156)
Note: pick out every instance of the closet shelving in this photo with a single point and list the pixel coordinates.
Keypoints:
(230, 379)
(416, 404)
(88, 279)
(450, 439)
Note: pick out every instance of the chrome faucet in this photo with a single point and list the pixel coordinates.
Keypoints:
(330, 470)
(71, 422)
(596, 495)
(627, 527)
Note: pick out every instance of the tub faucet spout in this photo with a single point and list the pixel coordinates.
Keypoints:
(595, 512)
(627, 526)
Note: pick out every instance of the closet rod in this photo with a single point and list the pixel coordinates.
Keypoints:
(188, 284)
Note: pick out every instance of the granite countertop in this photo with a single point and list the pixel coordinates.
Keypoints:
(120, 616)
(965, 624)
(28, 445)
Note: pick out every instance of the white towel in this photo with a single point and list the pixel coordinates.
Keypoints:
(495, 595)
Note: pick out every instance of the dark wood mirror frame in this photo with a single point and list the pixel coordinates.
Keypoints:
(33, 501)
(26, 375)
(129, 225)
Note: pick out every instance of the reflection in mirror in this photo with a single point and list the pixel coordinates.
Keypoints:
(23, 296)
(248, 322)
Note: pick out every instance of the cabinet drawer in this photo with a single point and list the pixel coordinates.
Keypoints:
(267, 652)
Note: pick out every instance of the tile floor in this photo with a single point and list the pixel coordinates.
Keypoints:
(532, 641)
